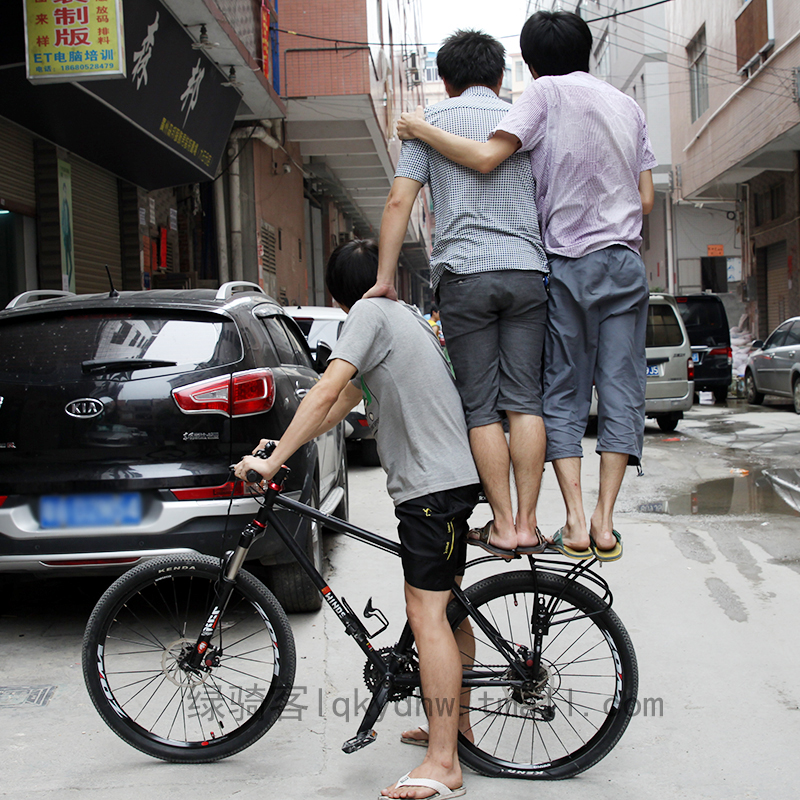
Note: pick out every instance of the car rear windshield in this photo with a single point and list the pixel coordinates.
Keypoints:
(48, 347)
(705, 320)
(663, 328)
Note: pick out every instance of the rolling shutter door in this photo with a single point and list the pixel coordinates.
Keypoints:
(17, 173)
(777, 284)
(95, 216)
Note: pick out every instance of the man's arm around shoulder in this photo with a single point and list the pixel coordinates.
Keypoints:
(480, 156)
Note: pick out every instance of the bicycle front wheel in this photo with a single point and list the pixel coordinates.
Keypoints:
(569, 715)
(135, 648)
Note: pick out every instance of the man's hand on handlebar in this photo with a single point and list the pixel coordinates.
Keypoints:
(260, 463)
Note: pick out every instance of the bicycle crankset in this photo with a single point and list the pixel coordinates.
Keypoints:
(408, 665)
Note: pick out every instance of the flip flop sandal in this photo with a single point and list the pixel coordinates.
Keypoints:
(557, 544)
(481, 536)
(419, 742)
(614, 554)
(443, 792)
(534, 549)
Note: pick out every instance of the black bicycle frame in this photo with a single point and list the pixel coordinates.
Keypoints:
(389, 671)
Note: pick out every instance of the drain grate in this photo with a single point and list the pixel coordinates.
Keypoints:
(21, 696)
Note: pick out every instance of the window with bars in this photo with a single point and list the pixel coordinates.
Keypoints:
(698, 73)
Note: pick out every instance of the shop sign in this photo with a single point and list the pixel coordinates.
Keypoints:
(69, 40)
(174, 91)
(266, 50)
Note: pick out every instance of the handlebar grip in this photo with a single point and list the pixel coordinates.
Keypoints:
(254, 477)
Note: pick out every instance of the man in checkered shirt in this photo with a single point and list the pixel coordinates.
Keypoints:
(487, 270)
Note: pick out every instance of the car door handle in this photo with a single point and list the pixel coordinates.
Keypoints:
(301, 392)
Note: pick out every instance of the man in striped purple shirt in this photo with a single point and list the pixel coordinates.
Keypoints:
(591, 160)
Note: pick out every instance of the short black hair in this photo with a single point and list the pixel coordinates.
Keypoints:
(471, 58)
(556, 43)
(352, 270)
(433, 309)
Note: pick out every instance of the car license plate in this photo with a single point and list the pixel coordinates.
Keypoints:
(90, 510)
(653, 372)
(696, 358)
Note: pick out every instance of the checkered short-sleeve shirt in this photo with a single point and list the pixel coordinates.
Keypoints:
(483, 222)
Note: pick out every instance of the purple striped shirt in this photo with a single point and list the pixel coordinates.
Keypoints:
(588, 143)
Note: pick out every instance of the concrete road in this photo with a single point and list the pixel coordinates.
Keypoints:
(710, 601)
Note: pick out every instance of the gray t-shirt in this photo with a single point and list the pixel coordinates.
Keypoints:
(411, 400)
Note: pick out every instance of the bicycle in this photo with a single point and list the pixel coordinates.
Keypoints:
(191, 659)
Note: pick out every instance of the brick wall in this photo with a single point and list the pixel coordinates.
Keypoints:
(279, 202)
(324, 67)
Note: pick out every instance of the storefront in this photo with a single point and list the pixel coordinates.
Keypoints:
(79, 158)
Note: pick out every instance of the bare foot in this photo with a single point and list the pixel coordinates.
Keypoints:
(575, 538)
(600, 531)
(449, 777)
(421, 735)
(415, 735)
(492, 541)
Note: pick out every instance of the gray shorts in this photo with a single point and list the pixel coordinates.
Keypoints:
(494, 325)
(597, 321)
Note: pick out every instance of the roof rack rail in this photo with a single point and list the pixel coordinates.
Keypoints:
(226, 291)
(42, 294)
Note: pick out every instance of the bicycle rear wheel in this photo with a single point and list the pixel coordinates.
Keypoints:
(571, 714)
(138, 637)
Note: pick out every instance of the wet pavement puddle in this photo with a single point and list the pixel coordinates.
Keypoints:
(747, 491)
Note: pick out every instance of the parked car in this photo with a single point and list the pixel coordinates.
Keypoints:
(323, 324)
(670, 368)
(774, 366)
(710, 336)
(120, 414)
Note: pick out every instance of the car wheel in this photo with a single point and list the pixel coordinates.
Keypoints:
(369, 453)
(796, 395)
(721, 394)
(667, 423)
(289, 582)
(754, 397)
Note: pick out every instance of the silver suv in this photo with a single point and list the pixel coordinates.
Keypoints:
(670, 369)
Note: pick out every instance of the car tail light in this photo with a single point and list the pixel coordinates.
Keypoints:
(3, 498)
(237, 395)
(231, 488)
(690, 369)
(723, 351)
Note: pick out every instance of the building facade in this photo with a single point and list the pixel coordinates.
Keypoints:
(736, 136)
(233, 148)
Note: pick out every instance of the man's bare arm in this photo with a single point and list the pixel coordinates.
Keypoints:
(394, 224)
(332, 393)
(480, 156)
(647, 191)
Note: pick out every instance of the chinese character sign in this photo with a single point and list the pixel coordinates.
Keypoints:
(73, 40)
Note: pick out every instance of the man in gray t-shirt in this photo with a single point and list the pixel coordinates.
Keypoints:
(389, 353)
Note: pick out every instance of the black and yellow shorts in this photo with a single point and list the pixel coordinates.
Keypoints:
(433, 536)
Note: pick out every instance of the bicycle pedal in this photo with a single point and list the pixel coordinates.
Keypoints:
(357, 742)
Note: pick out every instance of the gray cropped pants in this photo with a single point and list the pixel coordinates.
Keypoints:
(596, 326)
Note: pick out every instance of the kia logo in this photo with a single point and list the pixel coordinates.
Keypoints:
(85, 408)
